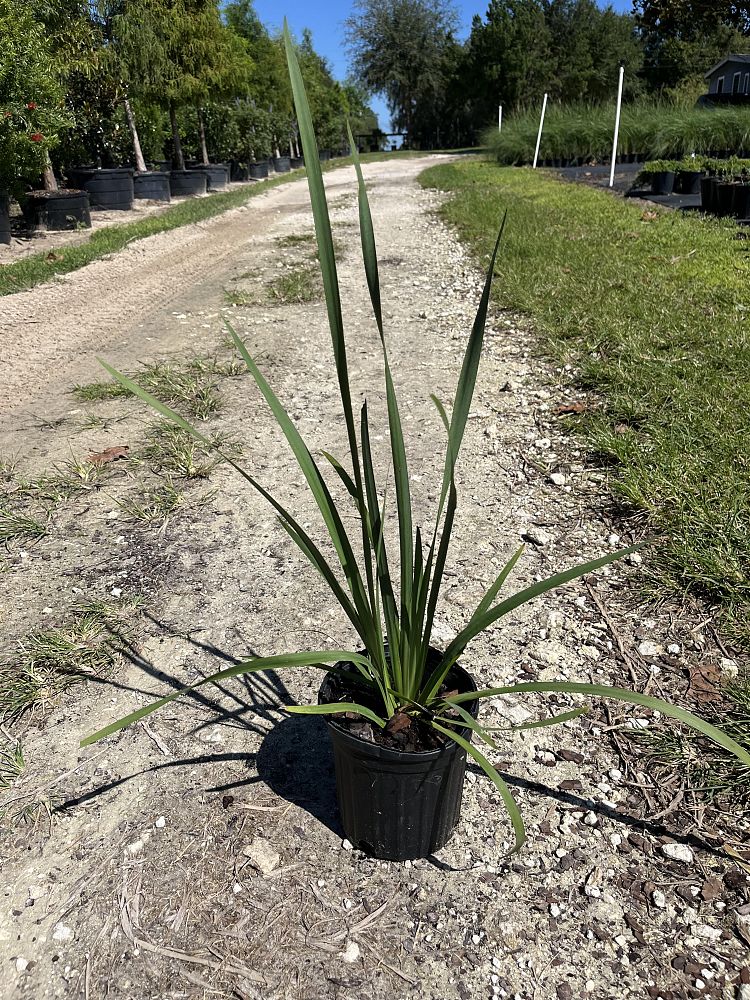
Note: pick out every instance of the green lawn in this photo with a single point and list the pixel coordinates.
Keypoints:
(654, 312)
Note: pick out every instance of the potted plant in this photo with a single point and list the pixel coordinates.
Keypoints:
(32, 119)
(401, 712)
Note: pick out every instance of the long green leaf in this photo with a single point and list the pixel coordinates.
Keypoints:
(505, 793)
(336, 708)
(398, 450)
(479, 623)
(327, 259)
(310, 548)
(617, 694)
(319, 658)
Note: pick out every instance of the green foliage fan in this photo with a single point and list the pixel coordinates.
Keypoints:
(393, 624)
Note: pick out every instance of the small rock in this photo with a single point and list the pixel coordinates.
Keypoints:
(648, 648)
(537, 536)
(615, 774)
(743, 927)
(62, 933)
(22, 964)
(160, 822)
(674, 648)
(262, 855)
(555, 620)
(743, 993)
(350, 953)
(554, 910)
(557, 479)
(634, 559)
(678, 852)
(706, 932)
(516, 714)
(550, 652)
(590, 819)
(136, 847)
(613, 539)
(347, 845)
(116, 591)
(728, 668)
(659, 899)
(590, 652)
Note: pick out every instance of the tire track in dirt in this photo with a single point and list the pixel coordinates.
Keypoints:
(51, 334)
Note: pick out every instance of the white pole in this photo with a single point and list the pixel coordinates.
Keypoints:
(499, 117)
(617, 128)
(541, 126)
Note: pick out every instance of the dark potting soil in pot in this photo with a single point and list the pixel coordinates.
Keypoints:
(403, 732)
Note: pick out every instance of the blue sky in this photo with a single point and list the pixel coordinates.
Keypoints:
(326, 20)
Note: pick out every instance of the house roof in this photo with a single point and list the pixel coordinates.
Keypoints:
(734, 57)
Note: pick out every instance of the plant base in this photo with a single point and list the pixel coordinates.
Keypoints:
(395, 805)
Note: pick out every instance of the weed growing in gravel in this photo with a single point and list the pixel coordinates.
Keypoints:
(297, 285)
(398, 681)
(234, 297)
(161, 503)
(47, 662)
(11, 762)
(171, 450)
(17, 527)
(295, 239)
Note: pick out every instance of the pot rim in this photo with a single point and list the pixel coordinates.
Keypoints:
(404, 755)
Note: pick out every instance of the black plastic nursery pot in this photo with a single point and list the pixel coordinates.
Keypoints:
(725, 198)
(217, 176)
(258, 171)
(708, 194)
(186, 183)
(662, 182)
(741, 201)
(56, 210)
(297, 162)
(153, 186)
(282, 164)
(688, 181)
(398, 805)
(109, 190)
(4, 219)
(239, 172)
(324, 154)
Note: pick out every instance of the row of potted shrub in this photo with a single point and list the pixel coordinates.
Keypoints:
(723, 185)
(581, 133)
(116, 189)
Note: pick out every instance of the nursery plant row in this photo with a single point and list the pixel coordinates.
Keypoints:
(723, 185)
(579, 134)
(117, 189)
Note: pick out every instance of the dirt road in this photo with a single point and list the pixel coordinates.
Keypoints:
(201, 855)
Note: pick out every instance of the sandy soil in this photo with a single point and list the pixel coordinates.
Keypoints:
(201, 855)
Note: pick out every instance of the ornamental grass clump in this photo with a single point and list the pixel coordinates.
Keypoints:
(395, 677)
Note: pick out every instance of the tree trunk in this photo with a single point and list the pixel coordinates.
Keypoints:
(50, 181)
(140, 163)
(179, 159)
(202, 134)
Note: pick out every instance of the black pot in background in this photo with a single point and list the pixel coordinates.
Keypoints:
(282, 164)
(152, 186)
(4, 219)
(239, 172)
(217, 176)
(184, 183)
(258, 171)
(56, 210)
(395, 805)
(109, 190)
(708, 194)
(324, 154)
(725, 198)
(741, 201)
(297, 162)
(662, 182)
(688, 181)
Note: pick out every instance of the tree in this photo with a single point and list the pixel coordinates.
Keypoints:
(397, 48)
(32, 112)
(684, 38)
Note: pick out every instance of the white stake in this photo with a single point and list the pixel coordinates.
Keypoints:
(617, 128)
(541, 126)
(499, 117)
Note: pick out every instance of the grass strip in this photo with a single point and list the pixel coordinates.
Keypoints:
(38, 268)
(651, 309)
